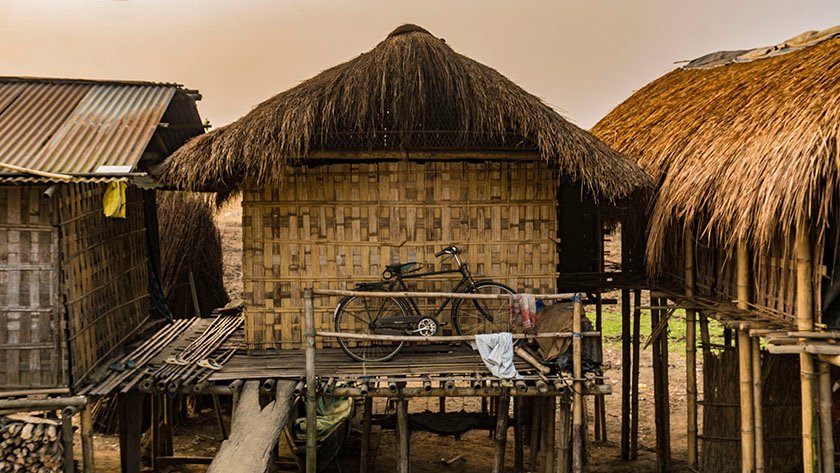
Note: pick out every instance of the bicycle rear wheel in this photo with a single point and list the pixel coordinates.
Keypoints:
(364, 315)
(477, 316)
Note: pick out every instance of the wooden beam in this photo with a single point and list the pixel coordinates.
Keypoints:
(67, 437)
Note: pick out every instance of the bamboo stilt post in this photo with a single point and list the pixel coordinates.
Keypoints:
(577, 414)
(561, 439)
(746, 401)
(129, 404)
(87, 440)
(826, 427)
(502, 407)
(154, 404)
(518, 463)
(220, 421)
(311, 400)
(745, 363)
(536, 420)
(634, 380)
(67, 437)
(758, 405)
(549, 433)
(690, 353)
(660, 389)
(600, 407)
(366, 424)
(403, 438)
(625, 374)
(805, 322)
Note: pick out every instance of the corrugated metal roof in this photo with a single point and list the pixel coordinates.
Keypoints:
(75, 126)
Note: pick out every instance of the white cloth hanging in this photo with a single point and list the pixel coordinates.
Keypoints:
(496, 350)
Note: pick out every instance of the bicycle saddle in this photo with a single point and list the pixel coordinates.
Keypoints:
(397, 268)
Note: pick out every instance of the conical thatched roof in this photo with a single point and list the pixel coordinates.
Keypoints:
(744, 148)
(411, 91)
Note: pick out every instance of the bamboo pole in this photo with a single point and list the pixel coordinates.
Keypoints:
(625, 374)
(311, 401)
(745, 362)
(366, 423)
(534, 442)
(600, 405)
(433, 295)
(194, 294)
(561, 459)
(746, 402)
(690, 353)
(444, 338)
(826, 427)
(86, 424)
(549, 434)
(577, 413)
(502, 407)
(67, 437)
(805, 322)
(518, 463)
(758, 405)
(660, 390)
(403, 438)
(634, 382)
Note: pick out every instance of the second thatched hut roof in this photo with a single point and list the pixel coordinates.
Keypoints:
(410, 92)
(743, 143)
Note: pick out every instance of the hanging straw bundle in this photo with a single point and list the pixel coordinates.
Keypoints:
(190, 244)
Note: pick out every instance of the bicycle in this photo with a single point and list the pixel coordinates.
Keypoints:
(402, 316)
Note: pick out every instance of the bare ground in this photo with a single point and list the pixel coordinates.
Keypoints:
(199, 437)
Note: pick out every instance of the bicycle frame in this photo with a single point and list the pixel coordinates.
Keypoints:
(466, 282)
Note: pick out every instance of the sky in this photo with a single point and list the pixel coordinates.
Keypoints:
(582, 57)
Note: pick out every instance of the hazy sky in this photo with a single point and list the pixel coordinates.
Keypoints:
(583, 57)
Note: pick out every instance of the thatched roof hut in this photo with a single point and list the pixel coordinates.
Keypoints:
(411, 92)
(743, 142)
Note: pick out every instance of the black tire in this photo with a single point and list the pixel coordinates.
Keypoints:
(354, 314)
(478, 316)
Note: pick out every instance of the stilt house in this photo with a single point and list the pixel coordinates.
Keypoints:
(76, 285)
(391, 156)
(744, 224)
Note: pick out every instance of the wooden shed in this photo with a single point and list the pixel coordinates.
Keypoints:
(743, 226)
(76, 285)
(389, 157)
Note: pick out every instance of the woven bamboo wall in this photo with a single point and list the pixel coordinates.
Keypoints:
(104, 274)
(31, 345)
(772, 274)
(335, 225)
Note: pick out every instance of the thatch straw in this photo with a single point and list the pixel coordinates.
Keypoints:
(190, 241)
(745, 149)
(409, 86)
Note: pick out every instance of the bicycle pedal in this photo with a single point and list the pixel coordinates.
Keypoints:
(443, 324)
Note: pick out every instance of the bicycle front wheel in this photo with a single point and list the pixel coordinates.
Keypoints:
(366, 315)
(477, 316)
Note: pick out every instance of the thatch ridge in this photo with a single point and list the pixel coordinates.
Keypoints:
(744, 149)
(408, 85)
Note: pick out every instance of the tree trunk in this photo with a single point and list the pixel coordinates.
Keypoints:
(254, 431)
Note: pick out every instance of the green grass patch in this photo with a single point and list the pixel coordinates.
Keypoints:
(611, 329)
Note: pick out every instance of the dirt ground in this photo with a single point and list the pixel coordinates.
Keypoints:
(199, 437)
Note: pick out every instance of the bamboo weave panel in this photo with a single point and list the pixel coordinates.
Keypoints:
(30, 343)
(105, 273)
(336, 225)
